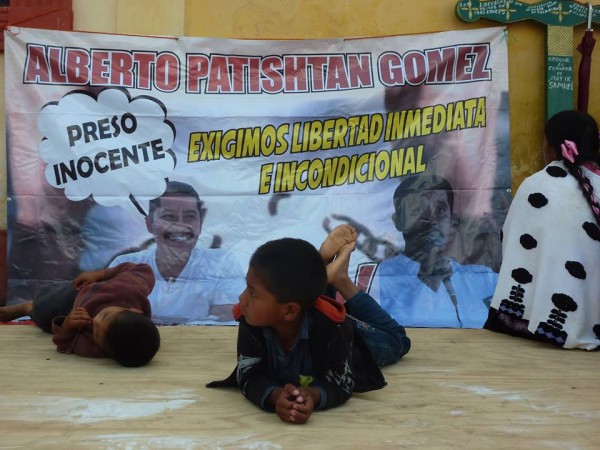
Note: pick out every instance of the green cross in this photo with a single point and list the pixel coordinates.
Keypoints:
(560, 16)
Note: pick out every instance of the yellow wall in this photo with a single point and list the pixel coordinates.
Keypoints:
(297, 19)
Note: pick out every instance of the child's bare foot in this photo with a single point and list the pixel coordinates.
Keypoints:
(12, 312)
(337, 272)
(337, 238)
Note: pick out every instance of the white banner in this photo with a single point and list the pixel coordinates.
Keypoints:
(278, 138)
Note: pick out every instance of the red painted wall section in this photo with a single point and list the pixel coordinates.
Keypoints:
(49, 14)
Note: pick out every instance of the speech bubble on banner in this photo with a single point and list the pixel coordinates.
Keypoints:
(112, 147)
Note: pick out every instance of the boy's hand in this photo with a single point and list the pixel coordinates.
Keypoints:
(85, 278)
(294, 405)
(77, 318)
(303, 406)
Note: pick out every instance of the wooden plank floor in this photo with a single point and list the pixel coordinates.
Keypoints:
(455, 389)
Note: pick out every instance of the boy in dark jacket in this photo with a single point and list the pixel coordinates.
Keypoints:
(104, 313)
(297, 349)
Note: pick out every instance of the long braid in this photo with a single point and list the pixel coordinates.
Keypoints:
(586, 187)
(576, 133)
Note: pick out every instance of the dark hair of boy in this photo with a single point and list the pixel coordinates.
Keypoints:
(174, 189)
(131, 339)
(291, 269)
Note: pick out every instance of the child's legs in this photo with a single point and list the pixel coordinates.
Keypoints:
(12, 312)
(385, 338)
(335, 240)
(57, 301)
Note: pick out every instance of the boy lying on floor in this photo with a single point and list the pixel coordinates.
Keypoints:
(104, 313)
(299, 351)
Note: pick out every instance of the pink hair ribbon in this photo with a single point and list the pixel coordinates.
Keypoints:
(569, 150)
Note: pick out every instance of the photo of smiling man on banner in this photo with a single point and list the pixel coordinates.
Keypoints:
(194, 285)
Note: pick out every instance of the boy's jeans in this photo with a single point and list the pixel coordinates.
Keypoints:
(385, 337)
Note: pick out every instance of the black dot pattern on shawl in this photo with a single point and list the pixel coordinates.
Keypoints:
(521, 275)
(537, 200)
(527, 241)
(564, 302)
(576, 269)
(555, 171)
(597, 330)
(592, 230)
